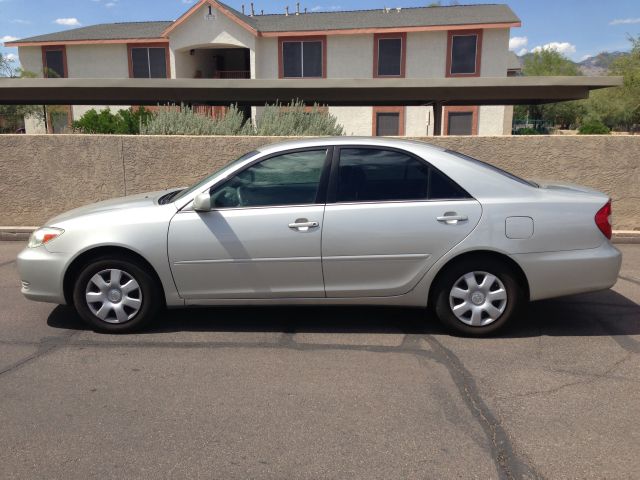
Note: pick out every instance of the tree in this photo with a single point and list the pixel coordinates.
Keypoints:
(544, 63)
(619, 107)
(6, 66)
(12, 116)
(548, 62)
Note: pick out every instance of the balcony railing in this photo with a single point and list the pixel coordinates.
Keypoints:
(232, 74)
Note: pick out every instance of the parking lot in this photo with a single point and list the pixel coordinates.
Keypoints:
(322, 392)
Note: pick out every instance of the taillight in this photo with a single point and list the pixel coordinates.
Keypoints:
(603, 220)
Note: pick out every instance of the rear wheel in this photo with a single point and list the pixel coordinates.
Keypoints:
(116, 295)
(478, 297)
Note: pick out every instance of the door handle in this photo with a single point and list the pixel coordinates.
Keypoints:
(452, 218)
(303, 225)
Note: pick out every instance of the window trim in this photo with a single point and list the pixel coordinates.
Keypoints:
(323, 183)
(54, 48)
(464, 33)
(403, 53)
(473, 109)
(131, 46)
(49, 119)
(401, 119)
(319, 38)
(332, 189)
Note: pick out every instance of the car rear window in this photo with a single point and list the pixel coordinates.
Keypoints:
(494, 169)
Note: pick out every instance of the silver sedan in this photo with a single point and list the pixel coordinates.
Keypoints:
(340, 221)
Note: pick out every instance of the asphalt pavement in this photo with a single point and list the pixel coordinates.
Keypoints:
(315, 393)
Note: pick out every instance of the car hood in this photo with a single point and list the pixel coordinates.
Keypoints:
(122, 203)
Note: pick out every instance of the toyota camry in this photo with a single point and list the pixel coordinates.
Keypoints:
(330, 221)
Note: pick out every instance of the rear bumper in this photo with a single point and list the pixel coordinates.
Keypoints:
(555, 274)
(42, 273)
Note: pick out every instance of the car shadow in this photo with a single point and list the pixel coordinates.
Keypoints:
(596, 314)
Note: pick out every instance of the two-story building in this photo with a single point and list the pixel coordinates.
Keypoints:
(212, 40)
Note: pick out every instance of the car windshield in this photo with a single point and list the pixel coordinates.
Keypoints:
(494, 168)
(207, 179)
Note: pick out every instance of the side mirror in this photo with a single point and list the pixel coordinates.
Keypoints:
(202, 202)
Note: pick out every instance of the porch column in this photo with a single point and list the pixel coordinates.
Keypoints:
(437, 119)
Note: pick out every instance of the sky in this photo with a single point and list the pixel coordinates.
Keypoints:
(577, 28)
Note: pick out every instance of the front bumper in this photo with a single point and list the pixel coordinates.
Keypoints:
(42, 274)
(555, 274)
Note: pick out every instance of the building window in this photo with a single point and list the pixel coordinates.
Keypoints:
(464, 53)
(461, 120)
(148, 62)
(389, 55)
(302, 58)
(388, 121)
(54, 62)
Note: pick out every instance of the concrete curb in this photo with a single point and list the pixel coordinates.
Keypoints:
(15, 234)
(626, 236)
(18, 234)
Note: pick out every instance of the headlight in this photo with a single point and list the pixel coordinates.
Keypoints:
(44, 235)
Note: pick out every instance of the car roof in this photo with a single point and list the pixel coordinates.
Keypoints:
(347, 140)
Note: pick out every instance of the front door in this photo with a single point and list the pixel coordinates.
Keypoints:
(390, 217)
(263, 237)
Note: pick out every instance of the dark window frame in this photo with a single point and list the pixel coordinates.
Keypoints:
(401, 119)
(478, 63)
(321, 195)
(323, 49)
(473, 109)
(165, 46)
(332, 190)
(54, 48)
(376, 53)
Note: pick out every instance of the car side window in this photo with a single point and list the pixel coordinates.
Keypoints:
(367, 174)
(370, 175)
(442, 187)
(289, 179)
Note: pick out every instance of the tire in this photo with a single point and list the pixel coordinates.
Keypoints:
(492, 298)
(124, 301)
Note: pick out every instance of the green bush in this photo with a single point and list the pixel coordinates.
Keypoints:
(185, 121)
(528, 131)
(125, 122)
(295, 120)
(593, 126)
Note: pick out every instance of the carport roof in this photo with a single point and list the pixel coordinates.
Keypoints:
(336, 92)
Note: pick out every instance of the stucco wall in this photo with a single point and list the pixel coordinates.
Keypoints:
(427, 54)
(350, 56)
(45, 175)
(31, 59)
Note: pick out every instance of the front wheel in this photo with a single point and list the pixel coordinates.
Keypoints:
(116, 295)
(478, 297)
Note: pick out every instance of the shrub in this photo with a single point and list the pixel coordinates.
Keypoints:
(185, 121)
(295, 119)
(125, 122)
(593, 126)
(527, 131)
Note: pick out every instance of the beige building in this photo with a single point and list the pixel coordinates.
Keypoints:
(212, 40)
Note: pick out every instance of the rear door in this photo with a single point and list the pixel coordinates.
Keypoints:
(390, 216)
